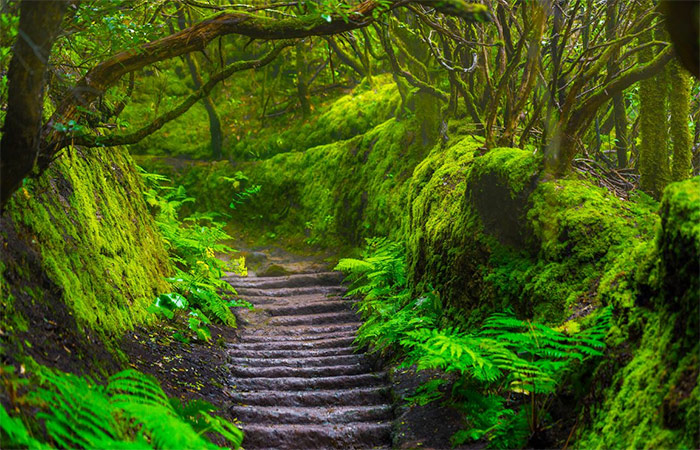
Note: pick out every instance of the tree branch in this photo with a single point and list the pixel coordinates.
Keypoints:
(203, 91)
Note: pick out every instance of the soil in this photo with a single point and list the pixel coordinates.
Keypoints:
(187, 371)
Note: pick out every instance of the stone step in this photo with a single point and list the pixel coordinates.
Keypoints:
(295, 345)
(296, 280)
(314, 319)
(353, 435)
(302, 383)
(293, 337)
(322, 361)
(330, 397)
(304, 308)
(287, 353)
(297, 372)
(260, 301)
(259, 415)
(288, 292)
(300, 330)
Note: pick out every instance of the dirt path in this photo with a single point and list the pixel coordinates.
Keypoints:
(297, 381)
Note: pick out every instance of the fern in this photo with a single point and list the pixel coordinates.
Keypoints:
(193, 243)
(241, 197)
(506, 357)
(131, 412)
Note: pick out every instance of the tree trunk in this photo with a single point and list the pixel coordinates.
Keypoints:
(214, 122)
(653, 150)
(679, 104)
(303, 80)
(39, 23)
(619, 113)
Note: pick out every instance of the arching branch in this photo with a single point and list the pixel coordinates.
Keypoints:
(136, 136)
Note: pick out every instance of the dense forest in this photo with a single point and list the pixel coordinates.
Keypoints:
(366, 224)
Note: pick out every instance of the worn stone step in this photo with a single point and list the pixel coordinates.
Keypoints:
(295, 345)
(303, 308)
(260, 301)
(309, 414)
(376, 395)
(300, 337)
(295, 280)
(314, 319)
(301, 330)
(288, 292)
(302, 383)
(297, 372)
(287, 353)
(353, 435)
(319, 361)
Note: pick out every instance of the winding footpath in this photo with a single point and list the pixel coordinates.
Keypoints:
(297, 382)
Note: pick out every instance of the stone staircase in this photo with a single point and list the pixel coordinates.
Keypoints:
(297, 382)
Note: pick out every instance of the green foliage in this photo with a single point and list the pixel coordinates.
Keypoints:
(246, 194)
(130, 412)
(319, 231)
(507, 357)
(193, 243)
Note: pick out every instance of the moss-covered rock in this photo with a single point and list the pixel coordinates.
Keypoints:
(83, 254)
(652, 396)
(348, 116)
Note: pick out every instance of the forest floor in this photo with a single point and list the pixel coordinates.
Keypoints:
(289, 372)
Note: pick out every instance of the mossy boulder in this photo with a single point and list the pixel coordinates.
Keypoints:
(83, 254)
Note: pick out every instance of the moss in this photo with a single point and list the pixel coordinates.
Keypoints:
(651, 401)
(678, 244)
(679, 106)
(515, 166)
(436, 220)
(348, 116)
(97, 243)
(356, 183)
(653, 126)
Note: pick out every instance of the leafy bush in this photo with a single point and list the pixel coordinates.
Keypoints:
(130, 412)
(193, 243)
(505, 370)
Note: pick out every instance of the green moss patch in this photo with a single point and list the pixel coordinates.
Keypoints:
(87, 221)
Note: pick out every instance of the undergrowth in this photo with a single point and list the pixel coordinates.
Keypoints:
(193, 243)
(506, 372)
(130, 412)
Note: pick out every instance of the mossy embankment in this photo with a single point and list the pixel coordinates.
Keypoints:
(81, 261)
(489, 233)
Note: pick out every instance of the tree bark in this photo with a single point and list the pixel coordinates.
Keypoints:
(619, 113)
(653, 114)
(39, 24)
(302, 80)
(215, 133)
(563, 147)
(679, 104)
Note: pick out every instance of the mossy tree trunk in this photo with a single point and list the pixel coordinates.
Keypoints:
(653, 151)
(414, 55)
(39, 24)
(679, 104)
